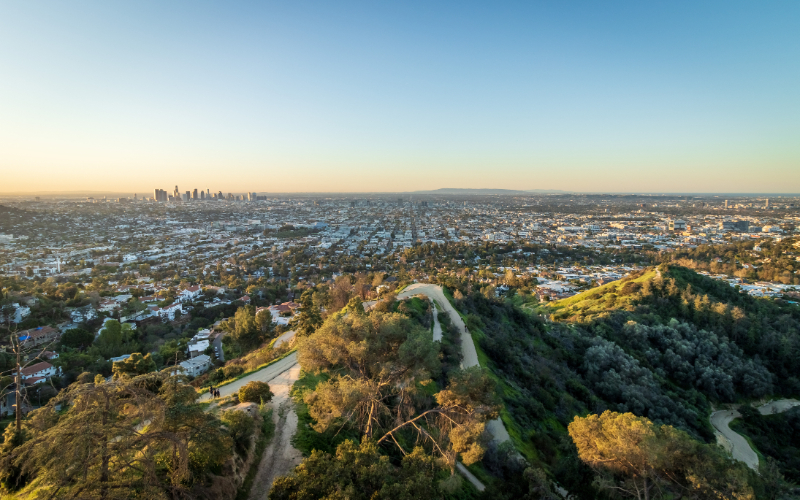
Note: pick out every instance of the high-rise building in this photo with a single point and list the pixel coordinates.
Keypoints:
(176, 193)
(767, 204)
(726, 203)
(208, 194)
(219, 196)
(160, 195)
(202, 195)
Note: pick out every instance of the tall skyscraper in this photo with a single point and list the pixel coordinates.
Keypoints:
(726, 203)
(176, 193)
(202, 195)
(767, 204)
(194, 194)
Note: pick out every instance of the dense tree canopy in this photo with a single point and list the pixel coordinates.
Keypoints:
(104, 451)
(637, 459)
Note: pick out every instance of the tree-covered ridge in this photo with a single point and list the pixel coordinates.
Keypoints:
(664, 344)
(766, 331)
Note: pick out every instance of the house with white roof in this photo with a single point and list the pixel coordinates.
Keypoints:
(197, 365)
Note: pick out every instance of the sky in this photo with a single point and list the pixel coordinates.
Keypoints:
(347, 96)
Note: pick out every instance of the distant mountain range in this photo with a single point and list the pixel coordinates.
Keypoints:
(487, 191)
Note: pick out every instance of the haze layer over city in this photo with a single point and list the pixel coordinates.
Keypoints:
(399, 251)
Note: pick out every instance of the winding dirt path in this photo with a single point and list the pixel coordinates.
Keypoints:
(280, 457)
(734, 442)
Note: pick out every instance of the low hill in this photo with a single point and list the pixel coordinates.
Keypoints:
(665, 343)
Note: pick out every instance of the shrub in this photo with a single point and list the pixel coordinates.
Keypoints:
(232, 371)
(240, 427)
(255, 392)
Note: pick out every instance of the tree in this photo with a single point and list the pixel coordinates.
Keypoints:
(115, 339)
(359, 472)
(356, 306)
(104, 451)
(135, 365)
(385, 357)
(255, 392)
(240, 427)
(264, 322)
(244, 329)
(309, 318)
(77, 338)
(654, 461)
(11, 475)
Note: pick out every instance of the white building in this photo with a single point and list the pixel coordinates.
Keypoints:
(196, 366)
(197, 347)
(168, 312)
(43, 370)
(190, 293)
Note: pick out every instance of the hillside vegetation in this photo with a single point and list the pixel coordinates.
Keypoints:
(665, 344)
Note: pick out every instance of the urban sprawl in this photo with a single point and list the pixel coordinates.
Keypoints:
(175, 265)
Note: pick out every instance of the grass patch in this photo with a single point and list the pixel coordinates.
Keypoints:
(594, 296)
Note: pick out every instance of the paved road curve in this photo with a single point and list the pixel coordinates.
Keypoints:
(437, 327)
(496, 427)
(264, 375)
(739, 447)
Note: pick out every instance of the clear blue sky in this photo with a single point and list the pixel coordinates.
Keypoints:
(387, 96)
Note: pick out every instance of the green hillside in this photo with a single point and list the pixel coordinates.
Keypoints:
(665, 344)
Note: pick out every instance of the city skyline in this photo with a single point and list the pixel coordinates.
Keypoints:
(366, 98)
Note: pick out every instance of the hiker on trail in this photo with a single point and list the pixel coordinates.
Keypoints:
(211, 391)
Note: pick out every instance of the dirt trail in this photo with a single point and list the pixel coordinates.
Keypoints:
(280, 457)
(734, 442)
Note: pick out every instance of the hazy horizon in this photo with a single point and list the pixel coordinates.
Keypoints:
(357, 97)
(466, 192)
